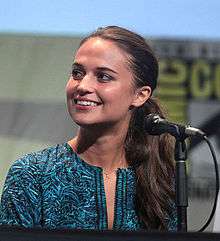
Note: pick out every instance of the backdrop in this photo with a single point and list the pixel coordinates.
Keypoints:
(33, 74)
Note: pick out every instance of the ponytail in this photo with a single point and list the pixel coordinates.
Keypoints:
(152, 159)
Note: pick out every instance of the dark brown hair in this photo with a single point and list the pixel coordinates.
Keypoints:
(151, 156)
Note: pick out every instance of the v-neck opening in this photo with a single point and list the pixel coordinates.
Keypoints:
(114, 201)
(120, 195)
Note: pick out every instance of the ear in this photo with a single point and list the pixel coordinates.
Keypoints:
(142, 94)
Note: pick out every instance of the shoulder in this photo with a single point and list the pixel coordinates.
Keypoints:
(36, 162)
(21, 197)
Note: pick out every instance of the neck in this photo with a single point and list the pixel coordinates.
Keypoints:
(101, 148)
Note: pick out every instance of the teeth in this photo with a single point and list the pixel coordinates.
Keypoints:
(90, 103)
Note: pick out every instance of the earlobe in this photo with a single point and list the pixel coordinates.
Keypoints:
(141, 96)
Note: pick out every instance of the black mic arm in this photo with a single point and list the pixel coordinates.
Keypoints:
(155, 125)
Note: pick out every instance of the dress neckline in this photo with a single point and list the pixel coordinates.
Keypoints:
(70, 149)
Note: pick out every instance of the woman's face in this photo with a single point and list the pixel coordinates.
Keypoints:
(100, 89)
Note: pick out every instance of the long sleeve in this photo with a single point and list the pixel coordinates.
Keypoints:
(21, 198)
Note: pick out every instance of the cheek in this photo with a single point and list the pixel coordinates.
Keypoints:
(120, 97)
(115, 91)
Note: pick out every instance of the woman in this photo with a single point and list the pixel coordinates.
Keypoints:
(112, 175)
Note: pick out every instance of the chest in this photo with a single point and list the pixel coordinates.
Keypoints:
(90, 201)
(110, 193)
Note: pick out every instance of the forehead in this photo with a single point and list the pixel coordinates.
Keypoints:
(105, 51)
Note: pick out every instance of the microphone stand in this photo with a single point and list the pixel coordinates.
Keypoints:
(181, 184)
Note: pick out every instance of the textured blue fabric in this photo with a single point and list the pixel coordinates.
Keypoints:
(54, 188)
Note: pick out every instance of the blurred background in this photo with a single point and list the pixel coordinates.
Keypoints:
(37, 44)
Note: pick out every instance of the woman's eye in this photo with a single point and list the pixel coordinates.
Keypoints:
(104, 77)
(77, 74)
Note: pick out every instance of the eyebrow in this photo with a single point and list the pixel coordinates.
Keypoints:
(107, 69)
(75, 64)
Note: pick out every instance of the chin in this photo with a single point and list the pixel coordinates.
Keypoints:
(84, 123)
(92, 125)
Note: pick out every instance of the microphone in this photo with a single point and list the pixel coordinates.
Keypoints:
(155, 125)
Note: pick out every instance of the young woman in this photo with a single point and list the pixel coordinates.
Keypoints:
(112, 174)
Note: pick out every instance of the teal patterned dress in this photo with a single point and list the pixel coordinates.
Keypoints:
(55, 188)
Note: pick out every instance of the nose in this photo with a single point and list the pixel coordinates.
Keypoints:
(85, 85)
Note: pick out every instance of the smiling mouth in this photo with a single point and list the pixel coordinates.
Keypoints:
(85, 103)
